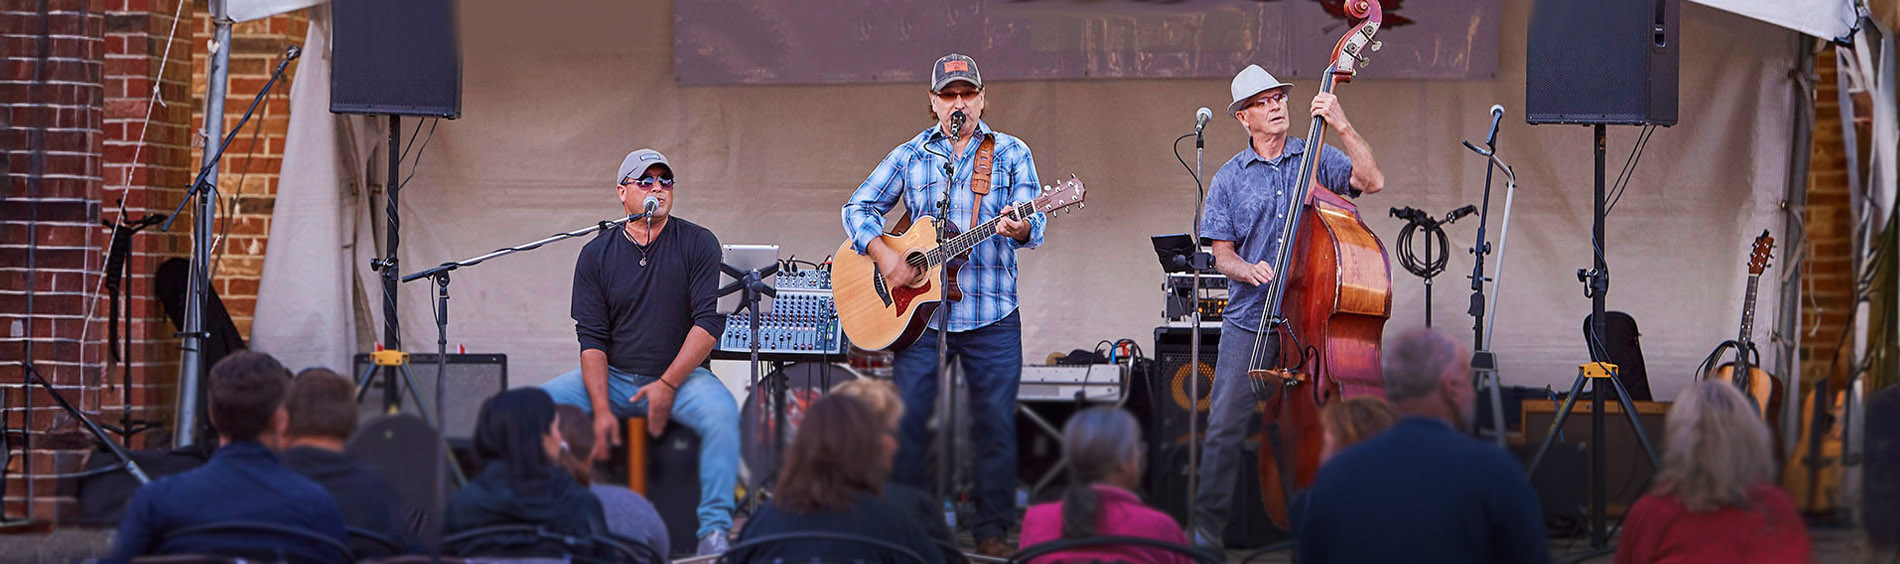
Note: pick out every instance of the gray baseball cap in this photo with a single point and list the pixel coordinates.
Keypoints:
(638, 162)
(954, 67)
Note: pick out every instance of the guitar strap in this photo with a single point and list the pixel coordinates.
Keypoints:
(979, 184)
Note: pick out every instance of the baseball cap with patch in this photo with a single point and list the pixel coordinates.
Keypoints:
(638, 161)
(954, 67)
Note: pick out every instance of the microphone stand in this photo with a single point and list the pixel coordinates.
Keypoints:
(191, 366)
(1197, 262)
(1483, 360)
(946, 386)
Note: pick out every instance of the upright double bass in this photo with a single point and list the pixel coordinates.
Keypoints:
(1329, 311)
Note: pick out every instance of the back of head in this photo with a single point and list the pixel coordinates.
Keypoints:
(1356, 419)
(879, 395)
(321, 404)
(577, 430)
(510, 430)
(245, 390)
(1417, 366)
(1717, 448)
(836, 455)
(1096, 442)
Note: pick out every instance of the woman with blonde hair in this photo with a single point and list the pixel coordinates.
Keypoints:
(1715, 499)
(1352, 420)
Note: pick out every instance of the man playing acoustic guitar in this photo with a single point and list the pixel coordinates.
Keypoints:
(985, 331)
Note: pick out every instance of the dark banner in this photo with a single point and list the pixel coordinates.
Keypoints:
(857, 41)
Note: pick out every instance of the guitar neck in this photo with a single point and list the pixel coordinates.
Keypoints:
(963, 242)
(1748, 310)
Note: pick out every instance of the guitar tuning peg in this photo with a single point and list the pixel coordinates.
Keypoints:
(1376, 45)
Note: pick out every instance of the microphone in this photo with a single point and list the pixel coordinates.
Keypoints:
(1200, 119)
(1460, 212)
(651, 203)
(1497, 114)
(956, 123)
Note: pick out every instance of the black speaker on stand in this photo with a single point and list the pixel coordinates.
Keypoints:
(1600, 63)
(1612, 62)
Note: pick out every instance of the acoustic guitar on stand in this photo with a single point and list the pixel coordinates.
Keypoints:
(876, 316)
(1744, 372)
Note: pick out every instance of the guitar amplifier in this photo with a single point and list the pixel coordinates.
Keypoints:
(472, 379)
(1098, 383)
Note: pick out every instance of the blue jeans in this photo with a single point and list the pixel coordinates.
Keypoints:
(1232, 401)
(704, 405)
(992, 358)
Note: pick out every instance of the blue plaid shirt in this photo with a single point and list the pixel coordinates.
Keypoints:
(916, 176)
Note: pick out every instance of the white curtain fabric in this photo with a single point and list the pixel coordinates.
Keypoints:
(320, 227)
(555, 93)
(1826, 19)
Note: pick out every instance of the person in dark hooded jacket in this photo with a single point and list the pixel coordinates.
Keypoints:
(322, 409)
(515, 434)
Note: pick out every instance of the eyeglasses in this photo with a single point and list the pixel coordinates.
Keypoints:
(950, 96)
(1277, 97)
(648, 182)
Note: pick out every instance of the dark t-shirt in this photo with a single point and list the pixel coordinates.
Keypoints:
(870, 516)
(1421, 492)
(639, 315)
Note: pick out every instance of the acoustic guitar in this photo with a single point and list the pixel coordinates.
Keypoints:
(876, 316)
(1744, 372)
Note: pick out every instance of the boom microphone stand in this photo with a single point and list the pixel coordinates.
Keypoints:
(191, 363)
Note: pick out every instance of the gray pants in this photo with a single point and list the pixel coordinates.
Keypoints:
(1231, 405)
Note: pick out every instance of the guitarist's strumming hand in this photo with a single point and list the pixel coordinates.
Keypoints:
(897, 273)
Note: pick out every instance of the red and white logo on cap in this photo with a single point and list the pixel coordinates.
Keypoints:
(956, 66)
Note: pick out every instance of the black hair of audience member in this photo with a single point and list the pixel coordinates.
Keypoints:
(245, 391)
(510, 430)
(1097, 443)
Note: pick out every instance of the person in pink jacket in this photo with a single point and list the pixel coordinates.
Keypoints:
(1102, 447)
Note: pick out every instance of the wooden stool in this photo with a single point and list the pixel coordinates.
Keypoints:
(636, 441)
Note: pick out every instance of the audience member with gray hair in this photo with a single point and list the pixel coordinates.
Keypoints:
(1422, 491)
(1715, 499)
(1102, 448)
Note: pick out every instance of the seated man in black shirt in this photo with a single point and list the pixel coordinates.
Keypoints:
(322, 409)
(243, 482)
(644, 307)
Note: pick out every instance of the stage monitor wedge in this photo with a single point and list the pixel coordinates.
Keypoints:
(1612, 62)
(395, 57)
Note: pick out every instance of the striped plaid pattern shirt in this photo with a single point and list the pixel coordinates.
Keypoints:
(915, 176)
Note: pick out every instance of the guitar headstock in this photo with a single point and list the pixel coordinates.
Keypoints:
(1069, 192)
(1758, 258)
(1350, 52)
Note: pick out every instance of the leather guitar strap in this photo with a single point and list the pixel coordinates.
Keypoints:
(979, 184)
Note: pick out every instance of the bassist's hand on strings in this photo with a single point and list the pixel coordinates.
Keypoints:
(1326, 105)
(1255, 274)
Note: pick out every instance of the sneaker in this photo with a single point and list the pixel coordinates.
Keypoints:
(1206, 541)
(713, 543)
(994, 547)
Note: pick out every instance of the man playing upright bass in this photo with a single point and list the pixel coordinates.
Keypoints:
(1247, 205)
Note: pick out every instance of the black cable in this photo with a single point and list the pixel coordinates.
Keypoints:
(1434, 233)
(1629, 167)
(417, 165)
(1200, 193)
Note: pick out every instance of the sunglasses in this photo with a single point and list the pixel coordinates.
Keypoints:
(648, 182)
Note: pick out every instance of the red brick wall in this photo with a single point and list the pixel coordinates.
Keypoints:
(1828, 280)
(92, 105)
(248, 177)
